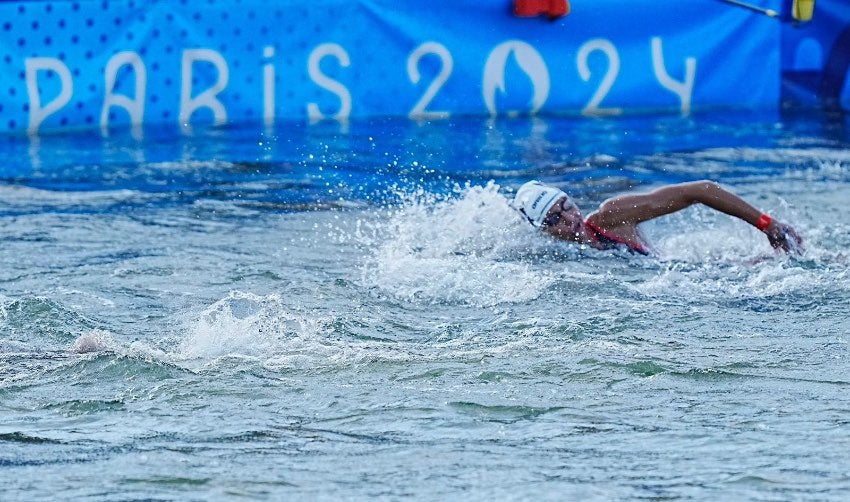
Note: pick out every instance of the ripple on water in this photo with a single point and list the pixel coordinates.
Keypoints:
(501, 413)
(40, 321)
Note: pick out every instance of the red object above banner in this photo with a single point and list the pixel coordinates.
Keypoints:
(552, 8)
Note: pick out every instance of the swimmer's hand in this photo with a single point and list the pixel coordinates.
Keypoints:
(783, 236)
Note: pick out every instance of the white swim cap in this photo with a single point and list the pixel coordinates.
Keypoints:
(534, 200)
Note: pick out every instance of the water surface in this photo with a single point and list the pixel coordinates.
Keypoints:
(355, 311)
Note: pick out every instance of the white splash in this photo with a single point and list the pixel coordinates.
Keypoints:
(453, 250)
(245, 324)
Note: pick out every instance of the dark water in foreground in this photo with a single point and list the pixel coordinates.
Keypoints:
(315, 313)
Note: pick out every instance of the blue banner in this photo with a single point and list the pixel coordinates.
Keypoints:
(108, 64)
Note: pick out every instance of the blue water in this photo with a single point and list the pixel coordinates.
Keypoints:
(352, 311)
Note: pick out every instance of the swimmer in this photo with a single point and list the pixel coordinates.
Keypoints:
(614, 224)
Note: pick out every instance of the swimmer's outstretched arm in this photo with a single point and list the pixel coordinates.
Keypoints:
(629, 210)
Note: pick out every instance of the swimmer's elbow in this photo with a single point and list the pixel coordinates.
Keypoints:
(706, 186)
(700, 191)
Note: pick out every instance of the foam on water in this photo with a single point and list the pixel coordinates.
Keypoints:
(768, 279)
(729, 261)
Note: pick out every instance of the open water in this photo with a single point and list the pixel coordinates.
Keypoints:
(353, 311)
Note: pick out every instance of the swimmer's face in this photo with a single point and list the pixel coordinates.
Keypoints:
(564, 221)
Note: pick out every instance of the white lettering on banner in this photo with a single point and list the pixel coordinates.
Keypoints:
(206, 99)
(135, 107)
(529, 60)
(607, 48)
(446, 66)
(516, 53)
(684, 89)
(268, 88)
(39, 113)
(328, 83)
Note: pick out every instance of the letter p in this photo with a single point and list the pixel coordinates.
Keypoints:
(39, 113)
